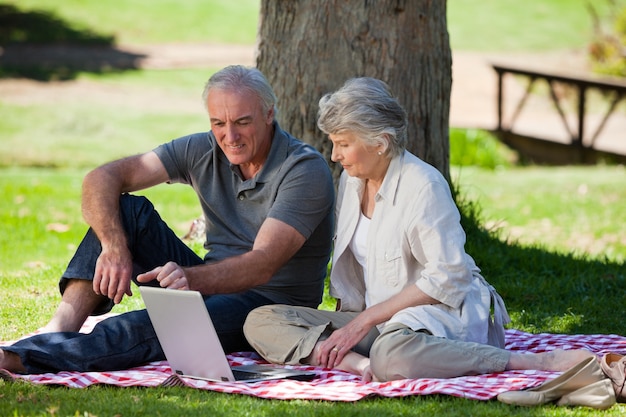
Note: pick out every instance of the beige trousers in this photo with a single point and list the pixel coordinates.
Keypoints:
(287, 335)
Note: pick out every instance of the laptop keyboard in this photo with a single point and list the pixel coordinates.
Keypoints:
(244, 375)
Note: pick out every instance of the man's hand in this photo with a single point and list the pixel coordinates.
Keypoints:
(100, 206)
(171, 275)
(113, 274)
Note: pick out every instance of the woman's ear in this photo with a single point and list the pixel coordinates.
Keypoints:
(383, 146)
(270, 116)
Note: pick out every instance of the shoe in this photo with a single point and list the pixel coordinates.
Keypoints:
(584, 373)
(598, 395)
(614, 366)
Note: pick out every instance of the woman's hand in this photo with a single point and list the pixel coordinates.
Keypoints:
(332, 350)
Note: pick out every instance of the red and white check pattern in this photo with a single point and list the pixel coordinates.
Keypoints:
(332, 385)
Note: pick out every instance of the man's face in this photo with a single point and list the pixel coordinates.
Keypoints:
(242, 130)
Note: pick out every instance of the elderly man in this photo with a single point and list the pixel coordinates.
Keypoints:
(268, 203)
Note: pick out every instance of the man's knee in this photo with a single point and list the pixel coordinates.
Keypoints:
(136, 208)
(134, 202)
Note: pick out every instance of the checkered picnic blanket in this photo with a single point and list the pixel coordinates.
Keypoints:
(333, 385)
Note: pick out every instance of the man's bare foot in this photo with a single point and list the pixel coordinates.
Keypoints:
(557, 360)
(11, 362)
(78, 302)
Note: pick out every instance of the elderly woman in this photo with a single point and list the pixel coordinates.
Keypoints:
(410, 302)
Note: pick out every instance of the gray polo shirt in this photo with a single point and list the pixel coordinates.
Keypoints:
(294, 186)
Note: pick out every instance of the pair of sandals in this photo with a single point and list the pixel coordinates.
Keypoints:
(591, 383)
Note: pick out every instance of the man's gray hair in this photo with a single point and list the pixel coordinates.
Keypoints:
(365, 106)
(239, 77)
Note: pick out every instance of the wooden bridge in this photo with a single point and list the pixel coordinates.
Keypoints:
(577, 144)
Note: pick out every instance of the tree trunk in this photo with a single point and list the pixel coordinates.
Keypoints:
(309, 48)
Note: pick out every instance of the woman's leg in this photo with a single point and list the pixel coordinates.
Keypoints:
(288, 334)
(401, 353)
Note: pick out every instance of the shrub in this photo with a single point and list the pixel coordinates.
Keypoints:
(478, 148)
(607, 50)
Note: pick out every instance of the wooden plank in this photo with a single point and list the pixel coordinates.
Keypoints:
(602, 83)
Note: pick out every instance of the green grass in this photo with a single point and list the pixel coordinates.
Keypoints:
(546, 286)
(40, 228)
(550, 239)
(156, 21)
(38, 401)
(513, 26)
(480, 25)
(567, 209)
(105, 117)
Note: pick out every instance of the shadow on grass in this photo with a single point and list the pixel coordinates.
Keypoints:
(547, 291)
(41, 46)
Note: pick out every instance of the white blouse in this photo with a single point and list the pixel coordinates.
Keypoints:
(358, 244)
(414, 238)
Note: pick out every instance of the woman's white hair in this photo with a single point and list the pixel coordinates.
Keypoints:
(365, 106)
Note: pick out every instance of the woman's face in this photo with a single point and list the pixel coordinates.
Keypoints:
(359, 160)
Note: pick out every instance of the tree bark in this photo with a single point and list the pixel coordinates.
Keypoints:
(309, 48)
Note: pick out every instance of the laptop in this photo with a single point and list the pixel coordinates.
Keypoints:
(190, 342)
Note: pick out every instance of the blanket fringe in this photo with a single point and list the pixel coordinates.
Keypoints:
(173, 381)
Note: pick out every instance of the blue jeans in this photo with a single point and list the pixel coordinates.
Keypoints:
(128, 340)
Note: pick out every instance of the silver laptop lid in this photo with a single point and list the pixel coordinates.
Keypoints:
(186, 333)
